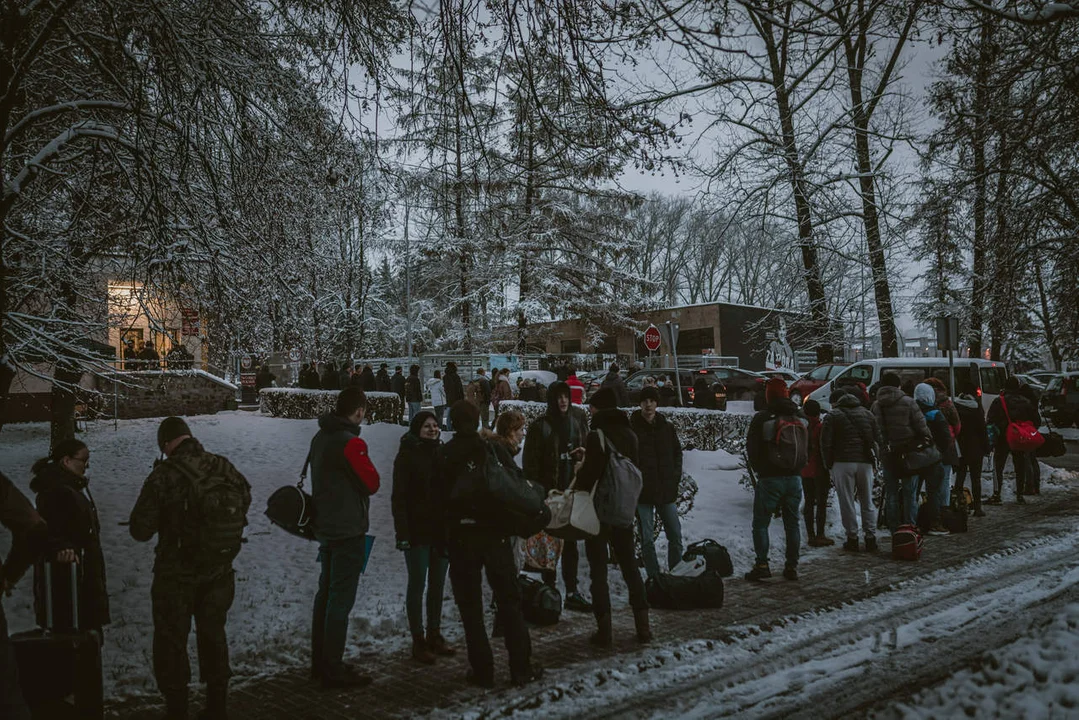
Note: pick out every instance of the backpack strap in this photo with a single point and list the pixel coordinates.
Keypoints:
(1003, 404)
(303, 473)
(602, 440)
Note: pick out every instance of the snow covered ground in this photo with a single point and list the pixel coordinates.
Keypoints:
(276, 573)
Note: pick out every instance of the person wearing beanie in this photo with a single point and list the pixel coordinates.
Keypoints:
(191, 579)
(815, 481)
(554, 443)
(933, 476)
(849, 440)
(1010, 406)
(973, 442)
(615, 382)
(779, 486)
(660, 454)
(614, 424)
(902, 425)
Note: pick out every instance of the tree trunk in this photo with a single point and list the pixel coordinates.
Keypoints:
(980, 243)
(1046, 318)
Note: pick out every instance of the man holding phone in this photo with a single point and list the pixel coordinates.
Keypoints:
(554, 443)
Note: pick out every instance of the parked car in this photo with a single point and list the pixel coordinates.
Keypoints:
(728, 384)
(1060, 401)
(1043, 376)
(814, 379)
(987, 376)
(785, 375)
(1035, 385)
(635, 383)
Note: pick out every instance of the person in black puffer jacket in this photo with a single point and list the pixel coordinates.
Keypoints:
(65, 503)
(660, 454)
(1019, 409)
(455, 391)
(973, 445)
(478, 544)
(616, 428)
(848, 445)
(902, 426)
(418, 521)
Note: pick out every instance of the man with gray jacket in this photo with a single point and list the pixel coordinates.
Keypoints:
(902, 427)
(343, 479)
(848, 444)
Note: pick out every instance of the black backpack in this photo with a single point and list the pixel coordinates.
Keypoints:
(541, 604)
(716, 557)
(215, 515)
(673, 592)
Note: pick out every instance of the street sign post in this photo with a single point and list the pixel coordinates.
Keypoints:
(948, 339)
(652, 338)
(672, 338)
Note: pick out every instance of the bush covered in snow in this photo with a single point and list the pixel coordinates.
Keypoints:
(299, 404)
(697, 429)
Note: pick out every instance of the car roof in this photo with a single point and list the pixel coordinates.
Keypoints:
(918, 362)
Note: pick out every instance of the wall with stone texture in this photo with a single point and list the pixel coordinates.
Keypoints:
(160, 394)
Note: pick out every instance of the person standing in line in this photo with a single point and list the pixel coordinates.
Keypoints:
(615, 382)
(397, 384)
(973, 445)
(502, 390)
(612, 422)
(455, 391)
(778, 486)
(367, 379)
(343, 479)
(902, 426)
(848, 442)
(382, 379)
(29, 540)
(413, 391)
(934, 475)
(815, 481)
(1033, 485)
(438, 397)
(65, 503)
(576, 388)
(486, 394)
(419, 495)
(329, 378)
(554, 442)
(660, 453)
(1010, 406)
(196, 503)
(478, 544)
(264, 378)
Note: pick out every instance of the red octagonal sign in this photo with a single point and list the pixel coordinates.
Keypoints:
(652, 338)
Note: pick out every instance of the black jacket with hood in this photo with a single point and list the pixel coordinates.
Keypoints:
(757, 445)
(973, 436)
(660, 458)
(616, 428)
(419, 488)
(902, 424)
(549, 437)
(615, 382)
(342, 480)
(451, 381)
(849, 433)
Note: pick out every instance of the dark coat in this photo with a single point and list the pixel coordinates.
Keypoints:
(65, 503)
(901, 423)
(704, 396)
(616, 383)
(616, 428)
(413, 390)
(330, 380)
(367, 380)
(382, 381)
(419, 493)
(547, 439)
(463, 454)
(1020, 409)
(29, 534)
(973, 436)
(849, 433)
(342, 479)
(485, 390)
(756, 444)
(264, 379)
(397, 384)
(660, 459)
(454, 390)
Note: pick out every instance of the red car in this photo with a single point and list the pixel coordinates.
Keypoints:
(814, 379)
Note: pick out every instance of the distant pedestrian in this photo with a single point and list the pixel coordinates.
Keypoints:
(196, 503)
(902, 426)
(934, 476)
(973, 445)
(329, 379)
(615, 382)
(455, 392)
(413, 391)
(368, 378)
(438, 397)
(1010, 406)
(815, 481)
(484, 394)
(397, 384)
(382, 379)
(502, 390)
(849, 440)
(576, 388)
(264, 378)
(660, 460)
(343, 376)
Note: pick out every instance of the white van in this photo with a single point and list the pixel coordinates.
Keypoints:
(987, 376)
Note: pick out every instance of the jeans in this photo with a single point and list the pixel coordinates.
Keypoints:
(944, 493)
(426, 565)
(571, 559)
(596, 550)
(342, 561)
(855, 479)
(12, 705)
(469, 557)
(972, 465)
(900, 498)
(672, 528)
(816, 504)
(413, 408)
(784, 492)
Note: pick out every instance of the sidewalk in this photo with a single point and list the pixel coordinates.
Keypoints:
(404, 689)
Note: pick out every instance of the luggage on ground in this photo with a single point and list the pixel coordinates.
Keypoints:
(673, 592)
(618, 490)
(906, 543)
(714, 554)
(541, 604)
(954, 521)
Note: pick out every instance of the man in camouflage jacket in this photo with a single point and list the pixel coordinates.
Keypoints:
(183, 587)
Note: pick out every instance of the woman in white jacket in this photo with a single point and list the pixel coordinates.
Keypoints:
(438, 397)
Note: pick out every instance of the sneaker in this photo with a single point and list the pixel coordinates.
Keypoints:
(759, 572)
(871, 543)
(938, 530)
(534, 673)
(994, 499)
(851, 544)
(825, 541)
(1020, 500)
(790, 572)
(576, 601)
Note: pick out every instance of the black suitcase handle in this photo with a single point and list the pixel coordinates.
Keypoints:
(49, 619)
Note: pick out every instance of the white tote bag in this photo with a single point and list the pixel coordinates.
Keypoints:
(573, 513)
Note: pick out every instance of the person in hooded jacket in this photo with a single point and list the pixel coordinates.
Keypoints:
(704, 396)
(65, 503)
(413, 391)
(951, 415)
(614, 381)
(934, 476)
(455, 391)
(1033, 483)
(367, 379)
(606, 417)
(554, 442)
(777, 488)
(660, 454)
(478, 543)
(1010, 406)
(382, 379)
(419, 495)
(902, 426)
(330, 378)
(815, 481)
(438, 397)
(849, 439)
(397, 384)
(973, 443)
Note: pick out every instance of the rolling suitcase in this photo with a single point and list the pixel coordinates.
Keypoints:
(60, 670)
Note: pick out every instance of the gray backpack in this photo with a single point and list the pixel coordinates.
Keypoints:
(619, 488)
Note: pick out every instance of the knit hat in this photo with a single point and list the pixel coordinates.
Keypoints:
(170, 429)
(649, 393)
(925, 395)
(604, 399)
(774, 389)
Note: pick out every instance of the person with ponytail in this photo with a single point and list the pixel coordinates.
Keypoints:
(65, 503)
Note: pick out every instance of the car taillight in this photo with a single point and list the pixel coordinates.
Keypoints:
(978, 392)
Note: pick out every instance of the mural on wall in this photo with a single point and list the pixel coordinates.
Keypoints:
(780, 356)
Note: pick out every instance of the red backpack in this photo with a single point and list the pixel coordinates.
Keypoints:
(787, 440)
(906, 543)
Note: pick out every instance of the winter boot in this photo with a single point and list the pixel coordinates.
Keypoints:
(438, 645)
(851, 544)
(825, 541)
(994, 499)
(215, 703)
(534, 673)
(791, 572)
(420, 652)
(176, 705)
(603, 636)
(871, 543)
(644, 631)
(759, 572)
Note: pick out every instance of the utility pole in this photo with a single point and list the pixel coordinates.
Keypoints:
(408, 288)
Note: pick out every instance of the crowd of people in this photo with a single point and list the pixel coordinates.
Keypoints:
(196, 504)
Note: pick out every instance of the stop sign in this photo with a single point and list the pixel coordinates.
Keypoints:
(652, 338)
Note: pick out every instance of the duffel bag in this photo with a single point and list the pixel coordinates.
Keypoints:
(906, 543)
(715, 555)
(291, 509)
(954, 521)
(1053, 445)
(541, 604)
(671, 592)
